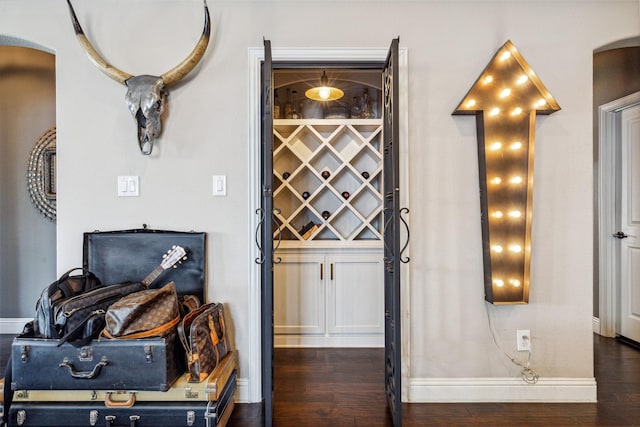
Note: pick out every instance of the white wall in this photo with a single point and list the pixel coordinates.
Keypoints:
(28, 249)
(449, 44)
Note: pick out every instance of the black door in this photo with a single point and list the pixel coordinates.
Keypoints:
(392, 222)
(264, 235)
(392, 250)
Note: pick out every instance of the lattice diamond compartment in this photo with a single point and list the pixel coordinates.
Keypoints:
(368, 131)
(371, 230)
(325, 160)
(286, 201)
(366, 202)
(346, 180)
(347, 143)
(302, 218)
(325, 233)
(325, 131)
(366, 160)
(305, 180)
(283, 132)
(305, 143)
(285, 161)
(326, 200)
(346, 222)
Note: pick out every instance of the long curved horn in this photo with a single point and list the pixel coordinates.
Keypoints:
(104, 66)
(185, 67)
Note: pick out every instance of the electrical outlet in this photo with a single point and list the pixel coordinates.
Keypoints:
(523, 340)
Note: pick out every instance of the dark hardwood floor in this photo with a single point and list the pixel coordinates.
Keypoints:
(343, 387)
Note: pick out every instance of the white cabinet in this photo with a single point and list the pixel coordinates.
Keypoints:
(355, 294)
(330, 299)
(299, 295)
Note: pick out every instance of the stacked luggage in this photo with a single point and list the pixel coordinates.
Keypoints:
(153, 355)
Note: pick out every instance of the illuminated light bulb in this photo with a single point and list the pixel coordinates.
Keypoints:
(496, 180)
(494, 111)
(471, 103)
(515, 214)
(497, 214)
(516, 145)
(516, 111)
(540, 103)
(522, 79)
(487, 80)
(514, 282)
(516, 180)
(506, 55)
(515, 248)
(498, 282)
(497, 248)
(495, 146)
(324, 92)
(505, 92)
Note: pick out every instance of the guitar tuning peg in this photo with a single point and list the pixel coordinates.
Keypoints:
(164, 256)
(173, 247)
(184, 258)
(175, 266)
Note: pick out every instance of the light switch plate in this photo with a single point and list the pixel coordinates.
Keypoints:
(219, 185)
(128, 186)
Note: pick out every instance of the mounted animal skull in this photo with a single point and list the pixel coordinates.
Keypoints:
(146, 94)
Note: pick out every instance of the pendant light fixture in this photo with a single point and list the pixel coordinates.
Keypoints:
(324, 92)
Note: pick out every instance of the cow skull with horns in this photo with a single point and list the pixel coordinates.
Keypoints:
(145, 94)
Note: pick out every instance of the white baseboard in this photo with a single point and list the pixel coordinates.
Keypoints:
(12, 325)
(242, 391)
(596, 325)
(484, 390)
(346, 341)
(452, 390)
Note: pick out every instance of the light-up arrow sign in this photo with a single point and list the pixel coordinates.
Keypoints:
(505, 100)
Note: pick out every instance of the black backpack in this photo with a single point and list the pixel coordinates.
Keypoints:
(62, 289)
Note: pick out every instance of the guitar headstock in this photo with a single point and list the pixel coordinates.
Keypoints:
(174, 256)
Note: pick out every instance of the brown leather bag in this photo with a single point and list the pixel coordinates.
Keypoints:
(204, 338)
(148, 313)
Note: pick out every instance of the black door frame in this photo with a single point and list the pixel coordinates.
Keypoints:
(266, 318)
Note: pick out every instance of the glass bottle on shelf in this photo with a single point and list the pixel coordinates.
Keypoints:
(295, 112)
(367, 113)
(288, 106)
(276, 105)
(356, 110)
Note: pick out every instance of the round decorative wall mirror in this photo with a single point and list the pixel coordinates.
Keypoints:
(41, 174)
